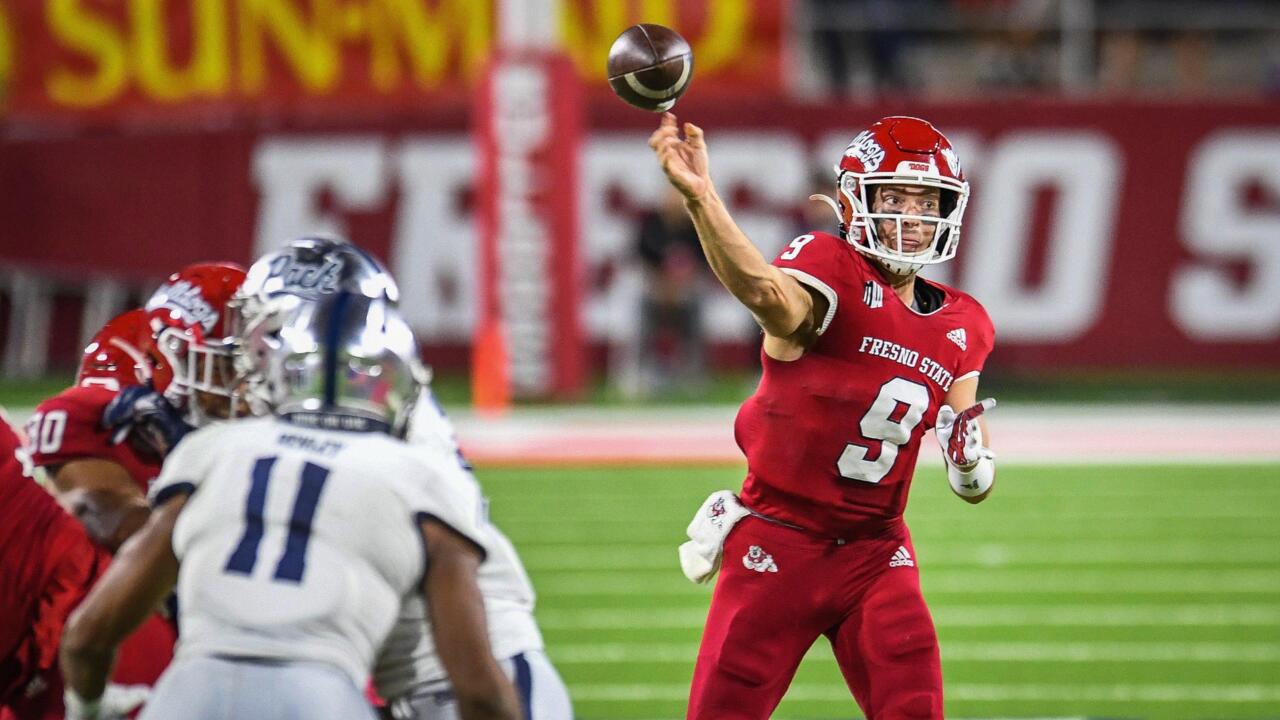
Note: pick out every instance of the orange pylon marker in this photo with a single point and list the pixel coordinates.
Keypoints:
(490, 381)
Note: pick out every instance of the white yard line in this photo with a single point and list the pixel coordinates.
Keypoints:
(1039, 651)
(1079, 582)
(1120, 693)
(954, 615)
(1027, 434)
(1049, 434)
(662, 557)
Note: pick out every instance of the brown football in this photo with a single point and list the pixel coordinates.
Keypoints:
(650, 66)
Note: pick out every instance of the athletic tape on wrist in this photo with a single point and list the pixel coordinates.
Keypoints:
(975, 481)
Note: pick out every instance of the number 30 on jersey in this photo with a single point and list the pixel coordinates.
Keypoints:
(896, 412)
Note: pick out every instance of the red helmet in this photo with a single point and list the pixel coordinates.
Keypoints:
(901, 151)
(121, 353)
(188, 315)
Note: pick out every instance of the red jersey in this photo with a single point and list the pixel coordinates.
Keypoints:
(68, 426)
(47, 564)
(831, 439)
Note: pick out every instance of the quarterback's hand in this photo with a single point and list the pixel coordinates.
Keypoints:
(116, 703)
(960, 435)
(140, 412)
(683, 160)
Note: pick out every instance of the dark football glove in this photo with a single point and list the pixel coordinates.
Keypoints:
(144, 417)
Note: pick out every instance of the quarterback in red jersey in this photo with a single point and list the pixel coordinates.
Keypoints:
(47, 565)
(173, 346)
(860, 358)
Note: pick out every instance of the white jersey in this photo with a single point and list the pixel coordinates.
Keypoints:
(300, 544)
(409, 657)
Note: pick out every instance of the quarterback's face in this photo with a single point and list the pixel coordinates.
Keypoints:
(917, 235)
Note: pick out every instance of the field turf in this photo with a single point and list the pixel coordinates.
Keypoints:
(1124, 592)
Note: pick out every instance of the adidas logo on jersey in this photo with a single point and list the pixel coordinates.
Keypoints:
(901, 558)
(957, 336)
(759, 560)
(873, 295)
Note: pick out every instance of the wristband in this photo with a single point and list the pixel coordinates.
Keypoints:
(973, 482)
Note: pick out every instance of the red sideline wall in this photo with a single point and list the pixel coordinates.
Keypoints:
(1099, 236)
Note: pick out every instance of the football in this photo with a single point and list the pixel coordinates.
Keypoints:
(650, 66)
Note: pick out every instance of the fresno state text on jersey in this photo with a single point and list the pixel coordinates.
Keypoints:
(831, 438)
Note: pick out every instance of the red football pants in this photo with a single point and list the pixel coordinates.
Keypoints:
(762, 622)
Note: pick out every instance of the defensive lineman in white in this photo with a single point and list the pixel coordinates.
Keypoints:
(294, 538)
(409, 672)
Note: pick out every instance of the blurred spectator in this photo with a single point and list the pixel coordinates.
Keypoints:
(859, 43)
(1127, 55)
(1011, 55)
(672, 342)
(949, 48)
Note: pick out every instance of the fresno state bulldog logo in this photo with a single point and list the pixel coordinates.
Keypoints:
(716, 512)
(759, 560)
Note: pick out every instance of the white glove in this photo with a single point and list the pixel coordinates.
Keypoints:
(960, 435)
(116, 703)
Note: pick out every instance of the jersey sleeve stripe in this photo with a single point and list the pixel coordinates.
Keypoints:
(970, 374)
(164, 494)
(821, 287)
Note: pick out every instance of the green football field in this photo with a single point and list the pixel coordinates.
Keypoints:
(1125, 591)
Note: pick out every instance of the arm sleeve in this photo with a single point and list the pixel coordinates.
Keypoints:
(813, 259)
(185, 468)
(979, 346)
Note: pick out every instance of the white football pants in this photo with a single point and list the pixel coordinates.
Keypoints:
(216, 688)
(538, 686)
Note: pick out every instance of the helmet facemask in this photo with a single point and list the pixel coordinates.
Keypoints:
(258, 322)
(885, 235)
(205, 385)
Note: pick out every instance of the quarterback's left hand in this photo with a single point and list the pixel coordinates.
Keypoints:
(116, 703)
(960, 435)
(138, 411)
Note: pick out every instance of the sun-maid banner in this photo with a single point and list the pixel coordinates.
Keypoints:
(1097, 236)
(149, 60)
